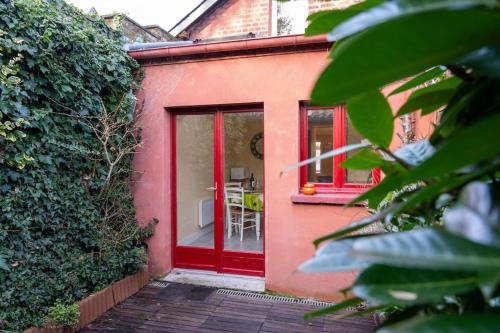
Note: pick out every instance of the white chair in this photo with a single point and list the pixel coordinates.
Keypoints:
(233, 184)
(237, 215)
(236, 185)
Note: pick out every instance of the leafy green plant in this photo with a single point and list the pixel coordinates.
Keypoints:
(438, 270)
(67, 133)
(3, 268)
(61, 315)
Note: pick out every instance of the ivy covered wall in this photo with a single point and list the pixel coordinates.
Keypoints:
(67, 134)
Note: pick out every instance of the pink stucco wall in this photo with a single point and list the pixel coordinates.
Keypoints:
(279, 81)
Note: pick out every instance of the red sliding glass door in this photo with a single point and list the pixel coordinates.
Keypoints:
(217, 190)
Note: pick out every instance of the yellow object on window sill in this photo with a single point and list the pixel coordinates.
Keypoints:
(309, 189)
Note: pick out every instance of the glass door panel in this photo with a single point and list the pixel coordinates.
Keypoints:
(195, 180)
(243, 181)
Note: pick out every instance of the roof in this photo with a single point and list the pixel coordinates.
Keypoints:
(174, 51)
(126, 17)
(154, 26)
(192, 16)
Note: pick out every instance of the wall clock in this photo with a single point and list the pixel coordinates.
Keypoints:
(257, 145)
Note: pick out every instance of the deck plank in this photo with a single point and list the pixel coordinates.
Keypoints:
(186, 308)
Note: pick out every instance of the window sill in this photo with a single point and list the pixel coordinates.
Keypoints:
(325, 198)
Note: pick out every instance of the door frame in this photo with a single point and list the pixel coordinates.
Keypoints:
(215, 259)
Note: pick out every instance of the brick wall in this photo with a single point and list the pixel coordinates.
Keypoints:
(233, 17)
(317, 5)
(240, 17)
(163, 36)
(132, 32)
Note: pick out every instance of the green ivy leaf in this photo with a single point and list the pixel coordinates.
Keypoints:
(3, 264)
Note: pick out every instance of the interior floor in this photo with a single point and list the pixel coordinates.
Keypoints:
(205, 238)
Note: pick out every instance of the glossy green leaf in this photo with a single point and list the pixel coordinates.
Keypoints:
(429, 192)
(473, 144)
(334, 308)
(360, 224)
(365, 159)
(324, 21)
(330, 154)
(488, 286)
(403, 286)
(447, 323)
(477, 216)
(363, 65)
(430, 101)
(430, 109)
(360, 313)
(430, 97)
(371, 115)
(377, 193)
(429, 248)
(415, 153)
(444, 86)
(396, 9)
(466, 95)
(420, 79)
(485, 61)
(334, 257)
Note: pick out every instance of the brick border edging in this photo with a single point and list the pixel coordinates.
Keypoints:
(98, 303)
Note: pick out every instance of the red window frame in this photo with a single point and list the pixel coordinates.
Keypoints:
(339, 184)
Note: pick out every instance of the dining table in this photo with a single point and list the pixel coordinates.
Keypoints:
(253, 200)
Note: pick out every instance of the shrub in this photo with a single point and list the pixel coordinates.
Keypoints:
(60, 315)
(67, 134)
(439, 270)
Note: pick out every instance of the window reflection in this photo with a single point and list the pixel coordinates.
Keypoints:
(320, 140)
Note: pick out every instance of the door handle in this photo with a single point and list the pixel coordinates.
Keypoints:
(213, 188)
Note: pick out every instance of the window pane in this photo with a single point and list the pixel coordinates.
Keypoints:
(195, 175)
(320, 140)
(291, 17)
(355, 176)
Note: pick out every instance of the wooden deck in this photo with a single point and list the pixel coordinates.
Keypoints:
(187, 308)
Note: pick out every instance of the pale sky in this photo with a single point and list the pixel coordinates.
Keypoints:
(165, 13)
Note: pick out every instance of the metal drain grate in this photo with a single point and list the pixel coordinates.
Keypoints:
(274, 298)
(159, 284)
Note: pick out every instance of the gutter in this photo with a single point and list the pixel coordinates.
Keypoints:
(157, 45)
(224, 47)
